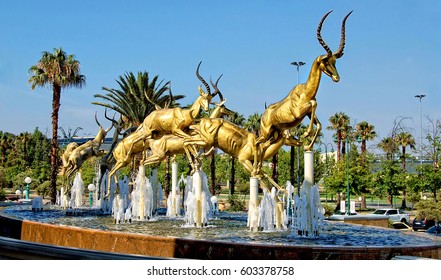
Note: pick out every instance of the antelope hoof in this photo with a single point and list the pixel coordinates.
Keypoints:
(308, 148)
(306, 133)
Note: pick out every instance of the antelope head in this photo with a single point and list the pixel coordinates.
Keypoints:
(206, 97)
(221, 109)
(102, 132)
(327, 63)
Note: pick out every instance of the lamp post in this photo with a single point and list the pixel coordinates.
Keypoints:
(298, 64)
(91, 188)
(27, 180)
(421, 96)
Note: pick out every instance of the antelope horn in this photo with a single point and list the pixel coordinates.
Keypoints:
(339, 52)
(216, 90)
(97, 122)
(202, 79)
(157, 107)
(114, 122)
(319, 36)
(167, 104)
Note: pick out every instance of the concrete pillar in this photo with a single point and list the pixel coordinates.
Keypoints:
(197, 184)
(174, 188)
(279, 214)
(307, 184)
(141, 192)
(253, 211)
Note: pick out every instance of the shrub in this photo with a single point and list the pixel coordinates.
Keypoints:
(236, 204)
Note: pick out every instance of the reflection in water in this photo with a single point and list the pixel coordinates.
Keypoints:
(227, 226)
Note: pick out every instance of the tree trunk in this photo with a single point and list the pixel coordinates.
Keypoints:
(403, 200)
(363, 202)
(338, 146)
(213, 174)
(291, 165)
(390, 199)
(343, 148)
(403, 158)
(54, 142)
(275, 171)
(232, 175)
(167, 177)
(363, 150)
(337, 202)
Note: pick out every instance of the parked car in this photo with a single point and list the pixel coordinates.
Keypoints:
(423, 224)
(395, 215)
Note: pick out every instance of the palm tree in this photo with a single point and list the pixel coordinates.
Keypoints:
(137, 96)
(404, 139)
(389, 146)
(56, 70)
(239, 120)
(365, 132)
(339, 123)
(252, 124)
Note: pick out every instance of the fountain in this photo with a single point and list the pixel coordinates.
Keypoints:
(281, 226)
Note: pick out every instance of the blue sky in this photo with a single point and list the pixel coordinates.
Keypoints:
(393, 52)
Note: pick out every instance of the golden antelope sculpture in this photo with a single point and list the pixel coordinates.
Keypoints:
(167, 145)
(301, 100)
(235, 141)
(89, 149)
(170, 144)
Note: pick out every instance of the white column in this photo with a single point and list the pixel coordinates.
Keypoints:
(279, 214)
(154, 183)
(253, 211)
(141, 192)
(197, 185)
(307, 184)
(174, 188)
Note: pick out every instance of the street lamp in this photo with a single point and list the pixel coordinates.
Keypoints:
(91, 188)
(421, 96)
(298, 64)
(27, 180)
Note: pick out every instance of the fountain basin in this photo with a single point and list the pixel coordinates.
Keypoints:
(194, 247)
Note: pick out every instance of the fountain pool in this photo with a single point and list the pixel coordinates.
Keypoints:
(225, 227)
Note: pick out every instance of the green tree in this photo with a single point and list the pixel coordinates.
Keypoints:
(3, 182)
(252, 124)
(430, 179)
(365, 132)
(340, 124)
(239, 120)
(389, 146)
(56, 70)
(428, 209)
(137, 96)
(6, 145)
(389, 179)
(433, 136)
(404, 139)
